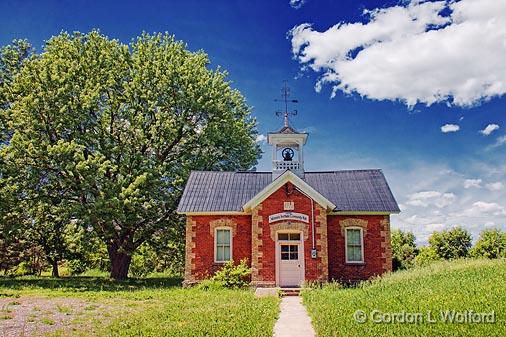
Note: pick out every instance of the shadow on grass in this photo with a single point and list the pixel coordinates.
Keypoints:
(87, 283)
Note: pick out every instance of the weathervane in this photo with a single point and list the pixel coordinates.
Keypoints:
(285, 93)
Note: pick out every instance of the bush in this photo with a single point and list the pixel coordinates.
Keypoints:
(426, 255)
(403, 249)
(451, 244)
(491, 244)
(143, 261)
(233, 276)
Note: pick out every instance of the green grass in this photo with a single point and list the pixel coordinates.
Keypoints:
(478, 285)
(154, 306)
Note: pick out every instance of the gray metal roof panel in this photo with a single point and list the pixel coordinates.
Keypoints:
(350, 190)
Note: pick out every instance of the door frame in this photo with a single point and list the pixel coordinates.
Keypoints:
(278, 254)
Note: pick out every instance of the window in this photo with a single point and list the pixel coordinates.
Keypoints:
(223, 245)
(354, 245)
(289, 252)
(289, 236)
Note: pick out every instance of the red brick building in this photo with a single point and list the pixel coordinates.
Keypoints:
(291, 225)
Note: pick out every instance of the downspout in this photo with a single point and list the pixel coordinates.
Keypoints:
(313, 243)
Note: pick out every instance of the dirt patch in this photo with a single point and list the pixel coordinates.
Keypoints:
(38, 316)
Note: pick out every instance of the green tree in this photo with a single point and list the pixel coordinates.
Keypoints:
(111, 132)
(451, 244)
(13, 241)
(12, 58)
(491, 244)
(426, 255)
(403, 249)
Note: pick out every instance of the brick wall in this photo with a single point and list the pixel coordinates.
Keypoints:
(200, 256)
(315, 269)
(377, 250)
(259, 246)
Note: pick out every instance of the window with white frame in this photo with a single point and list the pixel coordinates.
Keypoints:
(223, 244)
(354, 245)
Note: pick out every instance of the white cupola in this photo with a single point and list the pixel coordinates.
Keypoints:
(287, 144)
(287, 150)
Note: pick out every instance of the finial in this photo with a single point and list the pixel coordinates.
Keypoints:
(285, 93)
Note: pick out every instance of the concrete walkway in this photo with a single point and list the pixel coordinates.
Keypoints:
(293, 319)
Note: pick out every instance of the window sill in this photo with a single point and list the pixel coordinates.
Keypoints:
(355, 263)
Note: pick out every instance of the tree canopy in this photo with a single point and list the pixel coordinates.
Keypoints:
(104, 134)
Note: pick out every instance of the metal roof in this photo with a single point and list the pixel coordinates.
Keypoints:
(350, 190)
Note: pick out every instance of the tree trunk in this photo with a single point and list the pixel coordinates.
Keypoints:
(55, 272)
(120, 262)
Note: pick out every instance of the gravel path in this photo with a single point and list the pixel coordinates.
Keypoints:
(37, 316)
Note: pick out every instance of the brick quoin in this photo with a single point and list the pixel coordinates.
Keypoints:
(377, 251)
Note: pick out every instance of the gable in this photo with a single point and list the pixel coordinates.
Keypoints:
(280, 181)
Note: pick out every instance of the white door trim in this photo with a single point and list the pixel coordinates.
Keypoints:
(301, 254)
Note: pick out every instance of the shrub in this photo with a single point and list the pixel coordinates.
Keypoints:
(491, 244)
(403, 249)
(143, 261)
(426, 255)
(451, 244)
(233, 276)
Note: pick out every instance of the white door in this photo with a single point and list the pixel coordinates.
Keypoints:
(290, 260)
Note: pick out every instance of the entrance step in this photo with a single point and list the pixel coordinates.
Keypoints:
(290, 291)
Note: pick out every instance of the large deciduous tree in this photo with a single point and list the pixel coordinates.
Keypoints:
(451, 244)
(109, 132)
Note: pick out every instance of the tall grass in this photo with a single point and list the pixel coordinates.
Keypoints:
(460, 286)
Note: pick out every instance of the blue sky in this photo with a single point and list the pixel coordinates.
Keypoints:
(400, 71)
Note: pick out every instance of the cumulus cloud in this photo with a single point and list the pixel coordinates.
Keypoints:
(297, 3)
(427, 198)
(416, 52)
(489, 129)
(497, 186)
(484, 209)
(450, 128)
(468, 183)
(261, 138)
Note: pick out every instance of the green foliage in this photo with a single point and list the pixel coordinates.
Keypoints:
(12, 58)
(491, 244)
(404, 249)
(210, 285)
(426, 256)
(143, 261)
(232, 275)
(451, 244)
(107, 133)
(460, 285)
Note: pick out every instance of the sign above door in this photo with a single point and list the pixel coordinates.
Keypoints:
(288, 216)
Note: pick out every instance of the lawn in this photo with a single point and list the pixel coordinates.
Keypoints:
(477, 285)
(83, 306)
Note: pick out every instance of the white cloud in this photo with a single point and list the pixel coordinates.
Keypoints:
(484, 209)
(450, 128)
(499, 142)
(497, 186)
(297, 3)
(261, 138)
(489, 129)
(468, 183)
(413, 52)
(427, 198)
